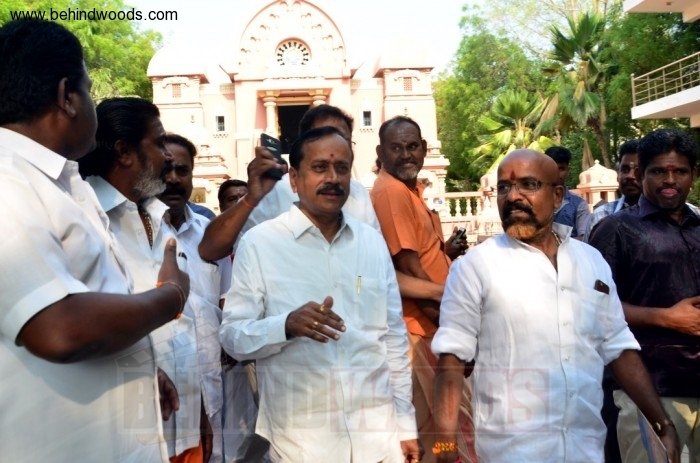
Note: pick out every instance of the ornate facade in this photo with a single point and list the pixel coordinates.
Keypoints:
(290, 56)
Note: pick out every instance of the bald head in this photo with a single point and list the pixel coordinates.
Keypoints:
(537, 162)
(529, 191)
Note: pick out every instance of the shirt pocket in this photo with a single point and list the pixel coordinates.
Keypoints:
(370, 300)
(589, 313)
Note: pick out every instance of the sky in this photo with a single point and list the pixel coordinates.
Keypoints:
(365, 24)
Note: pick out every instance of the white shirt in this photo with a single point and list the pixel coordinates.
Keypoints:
(208, 283)
(540, 339)
(175, 342)
(341, 401)
(55, 243)
(281, 198)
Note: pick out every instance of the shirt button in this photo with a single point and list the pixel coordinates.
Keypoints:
(571, 394)
(566, 359)
(561, 288)
(565, 324)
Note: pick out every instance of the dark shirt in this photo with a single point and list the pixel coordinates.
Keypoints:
(655, 262)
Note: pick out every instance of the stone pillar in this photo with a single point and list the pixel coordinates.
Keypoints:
(271, 114)
(318, 98)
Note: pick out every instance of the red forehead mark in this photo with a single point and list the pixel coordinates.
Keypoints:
(512, 176)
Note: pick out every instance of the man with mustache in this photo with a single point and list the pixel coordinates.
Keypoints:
(209, 283)
(538, 312)
(77, 367)
(653, 249)
(230, 192)
(413, 234)
(629, 186)
(127, 171)
(314, 300)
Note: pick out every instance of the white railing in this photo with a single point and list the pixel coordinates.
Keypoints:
(473, 210)
(668, 80)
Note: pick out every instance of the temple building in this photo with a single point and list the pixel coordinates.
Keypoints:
(290, 56)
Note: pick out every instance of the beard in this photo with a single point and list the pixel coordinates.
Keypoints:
(148, 183)
(521, 229)
(407, 172)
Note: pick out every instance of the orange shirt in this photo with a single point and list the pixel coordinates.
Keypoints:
(407, 223)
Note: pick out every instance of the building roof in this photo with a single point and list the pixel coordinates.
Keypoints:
(173, 60)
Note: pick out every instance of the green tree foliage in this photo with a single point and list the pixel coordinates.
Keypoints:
(640, 43)
(116, 52)
(484, 66)
(580, 76)
(511, 124)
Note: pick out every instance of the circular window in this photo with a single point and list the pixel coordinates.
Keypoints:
(293, 53)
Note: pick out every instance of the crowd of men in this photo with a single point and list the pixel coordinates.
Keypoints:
(313, 321)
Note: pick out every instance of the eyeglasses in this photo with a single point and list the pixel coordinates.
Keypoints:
(526, 186)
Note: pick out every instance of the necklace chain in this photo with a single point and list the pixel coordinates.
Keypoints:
(146, 223)
(556, 237)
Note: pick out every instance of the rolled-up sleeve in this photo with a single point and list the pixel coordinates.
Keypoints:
(460, 310)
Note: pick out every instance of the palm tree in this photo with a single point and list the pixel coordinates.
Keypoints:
(512, 123)
(580, 78)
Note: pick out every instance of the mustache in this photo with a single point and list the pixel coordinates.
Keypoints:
(331, 188)
(174, 190)
(630, 182)
(510, 207)
(410, 160)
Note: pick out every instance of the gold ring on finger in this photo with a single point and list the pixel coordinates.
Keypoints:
(315, 324)
(322, 308)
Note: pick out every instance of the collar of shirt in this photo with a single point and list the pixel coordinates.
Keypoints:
(110, 198)
(647, 209)
(565, 200)
(190, 218)
(47, 161)
(299, 223)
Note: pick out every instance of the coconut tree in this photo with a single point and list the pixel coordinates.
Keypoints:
(512, 123)
(580, 77)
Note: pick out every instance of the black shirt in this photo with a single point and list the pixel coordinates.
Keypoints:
(655, 262)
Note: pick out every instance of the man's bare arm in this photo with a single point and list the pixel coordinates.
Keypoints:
(684, 316)
(417, 288)
(449, 382)
(408, 262)
(632, 376)
(223, 230)
(86, 325)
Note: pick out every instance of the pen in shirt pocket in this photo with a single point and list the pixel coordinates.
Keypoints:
(358, 284)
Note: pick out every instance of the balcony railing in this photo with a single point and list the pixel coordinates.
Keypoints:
(668, 80)
(469, 209)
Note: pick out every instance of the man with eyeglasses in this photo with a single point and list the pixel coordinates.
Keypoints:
(538, 313)
(653, 249)
(414, 236)
(629, 186)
